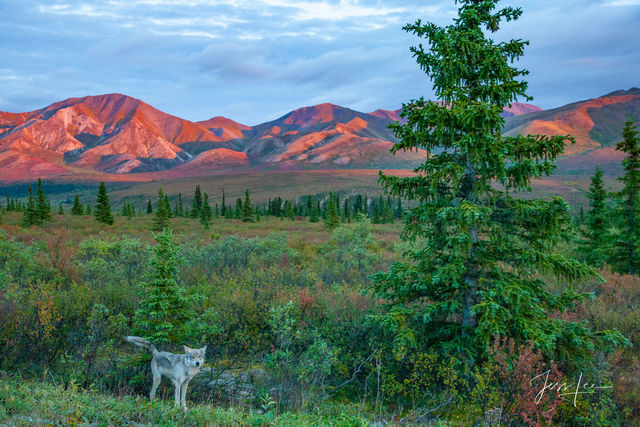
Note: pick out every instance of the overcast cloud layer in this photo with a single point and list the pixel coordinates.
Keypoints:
(255, 60)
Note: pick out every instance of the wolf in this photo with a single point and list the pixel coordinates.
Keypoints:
(179, 368)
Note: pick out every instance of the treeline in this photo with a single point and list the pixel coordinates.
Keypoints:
(611, 229)
(332, 209)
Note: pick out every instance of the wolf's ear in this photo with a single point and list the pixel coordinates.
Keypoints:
(204, 349)
(186, 349)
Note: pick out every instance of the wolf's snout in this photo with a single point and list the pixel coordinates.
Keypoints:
(197, 363)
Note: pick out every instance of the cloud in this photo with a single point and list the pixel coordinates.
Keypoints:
(619, 3)
(255, 59)
(344, 9)
(78, 10)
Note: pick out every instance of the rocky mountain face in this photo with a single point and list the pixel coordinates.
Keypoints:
(116, 135)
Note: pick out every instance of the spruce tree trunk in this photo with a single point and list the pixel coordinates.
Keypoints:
(471, 276)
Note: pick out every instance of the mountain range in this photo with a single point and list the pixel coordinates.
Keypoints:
(116, 137)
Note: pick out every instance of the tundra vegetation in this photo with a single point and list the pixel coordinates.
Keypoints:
(447, 301)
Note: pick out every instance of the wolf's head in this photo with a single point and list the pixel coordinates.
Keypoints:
(194, 356)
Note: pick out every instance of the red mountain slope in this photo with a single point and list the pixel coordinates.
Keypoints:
(594, 123)
(326, 135)
(110, 133)
(224, 128)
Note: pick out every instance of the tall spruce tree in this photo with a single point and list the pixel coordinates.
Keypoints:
(149, 207)
(180, 210)
(43, 208)
(163, 212)
(237, 211)
(77, 208)
(333, 217)
(102, 212)
(479, 257)
(247, 209)
(626, 244)
(593, 245)
(196, 203)
(30, 214)
(205, 212)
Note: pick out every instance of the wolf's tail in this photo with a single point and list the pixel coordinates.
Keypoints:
(141, 342)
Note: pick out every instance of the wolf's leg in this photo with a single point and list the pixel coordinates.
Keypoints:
(177, 384)
(154, 387)
(183, 393)
(156, 381)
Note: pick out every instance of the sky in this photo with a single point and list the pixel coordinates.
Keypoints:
(255, 60)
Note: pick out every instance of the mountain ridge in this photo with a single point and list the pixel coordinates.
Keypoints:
(114, 136)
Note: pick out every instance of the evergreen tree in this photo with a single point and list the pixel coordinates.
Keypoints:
(205, 212)
(308, 206)
(196, 203)
(30, 214)
(77, 208)
(163, 212)
(180, 206)
(149, 207)
(167, 206)
(333, 217)
(290, 210)
(228, 213)
(43, 208)
(60, 209)
(594, 242)
(223, 209)
(626, 244)
(88, 210)
(479, 256)
(247, 209)
(347, 210)
(376, 211)
(103, 209)
(164, 311)
(237, 211)
(314, 215)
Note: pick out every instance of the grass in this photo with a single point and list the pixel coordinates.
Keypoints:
(77, 228)
(28, 402)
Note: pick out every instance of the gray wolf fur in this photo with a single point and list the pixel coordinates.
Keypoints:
(179, 368)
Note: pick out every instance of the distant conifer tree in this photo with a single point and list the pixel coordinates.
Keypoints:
(180, 206)
(205, 212)
(625, 256)
(43, 208)
(196, 203)
(103, 208)
(163, 212)
(237, 211)
(60, 209)
(223, 208)
(149, 207)
(77, 208)
(595, 239)
(247, 209)
(30, 215)
(333, 217)
(346, 210)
